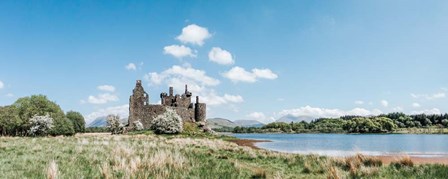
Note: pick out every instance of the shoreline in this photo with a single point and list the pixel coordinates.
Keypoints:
(386, 159)
(248, 143)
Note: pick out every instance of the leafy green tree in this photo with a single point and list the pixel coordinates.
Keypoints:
(10, 122)
(445, 122)
(39, 105)
(78, 121)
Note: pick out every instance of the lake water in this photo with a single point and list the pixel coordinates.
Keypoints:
(349, 144)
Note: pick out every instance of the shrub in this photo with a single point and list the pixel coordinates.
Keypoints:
(138, 126)
(40, 125)
(167, 123)
(79, 125)
(62, 127)
(114, 125)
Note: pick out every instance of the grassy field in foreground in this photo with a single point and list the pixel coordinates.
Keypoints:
(151, 156)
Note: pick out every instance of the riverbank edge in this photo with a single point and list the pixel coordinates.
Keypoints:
(386, 159)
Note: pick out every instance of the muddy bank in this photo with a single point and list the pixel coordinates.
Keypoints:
(247, 142)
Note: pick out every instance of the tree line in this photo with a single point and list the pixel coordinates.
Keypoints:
(384, 123)
(37, 115)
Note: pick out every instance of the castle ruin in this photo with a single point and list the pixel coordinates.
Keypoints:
(141, 110)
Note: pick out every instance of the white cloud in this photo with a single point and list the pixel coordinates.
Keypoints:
(415, 105)
(309, 111)
(220, 56)
(397, 109)
(359, 102)
(122, 111)
(259, 116)
(179, 51)
(9, 95)
(384, 103)
(264, 73)
(108, 88)
(427, 111)
(212, 99)
(194, 34)
(102, 98)
(131, 66)
(429, 96)
(238, 74)
(2, 85)
(199, 83)
(186, 74)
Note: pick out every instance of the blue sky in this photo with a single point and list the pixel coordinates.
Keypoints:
(248, 59)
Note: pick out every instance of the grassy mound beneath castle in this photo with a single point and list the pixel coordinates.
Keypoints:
(180, 156)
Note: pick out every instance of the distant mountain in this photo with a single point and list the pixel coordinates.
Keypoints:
(102, 122)
(291, 118)
(216, 123)
(248, 123)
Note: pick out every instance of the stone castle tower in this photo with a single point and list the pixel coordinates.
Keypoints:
(141, 110)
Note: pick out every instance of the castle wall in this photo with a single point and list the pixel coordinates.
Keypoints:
(141, 110)
(200, 112)
(186, 114)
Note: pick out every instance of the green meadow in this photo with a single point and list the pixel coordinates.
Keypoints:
(179, 156)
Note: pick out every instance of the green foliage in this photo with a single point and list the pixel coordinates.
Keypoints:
(97, 130)
(10, 122)
(15, 119)
(78, 121)
(62, 127)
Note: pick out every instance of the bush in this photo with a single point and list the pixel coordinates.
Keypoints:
(40, 125)
(114, 125)
(62, 127)
(167, 123)
(79, 125)
(138, 126)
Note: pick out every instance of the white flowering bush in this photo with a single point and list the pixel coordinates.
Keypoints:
(167, 123)
(114, 125)
(138, 126)
(40, 125)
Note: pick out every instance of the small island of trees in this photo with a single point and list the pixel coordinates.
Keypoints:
(385, 123)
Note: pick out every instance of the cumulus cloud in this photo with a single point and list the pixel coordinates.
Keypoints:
(179, 51)
(415, 105)
(2, 85)
(199, 83)
(359, 102)
(108, 88)
(397, 109)
(122, 111)
(385, 103)
(194, 34)
(314, 112)
(261, 117)
(131, 66)
(427, 111)
(220, 56)
(9, 95)
(102, 98)
(429, 96)
(212, 99)
(239, 74)
(186, 74)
